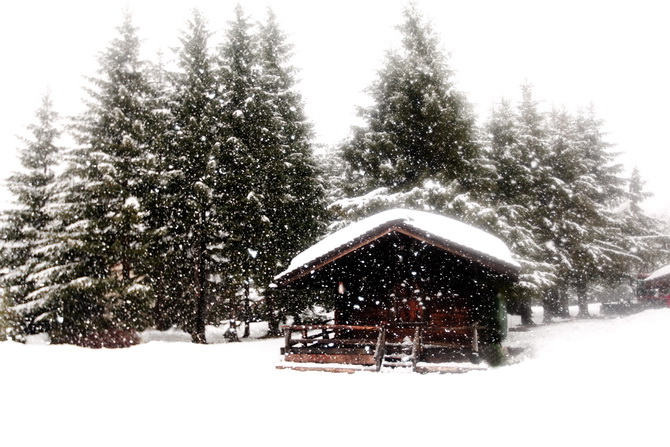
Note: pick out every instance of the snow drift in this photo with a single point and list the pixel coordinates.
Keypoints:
(580, 382)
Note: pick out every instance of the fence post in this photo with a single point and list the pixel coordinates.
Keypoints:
(475, 338)
(287, 338)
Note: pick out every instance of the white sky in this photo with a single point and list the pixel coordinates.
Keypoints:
(613, 54)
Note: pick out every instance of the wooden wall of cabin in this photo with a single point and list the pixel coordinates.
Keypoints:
(433, 310)
(428, 310)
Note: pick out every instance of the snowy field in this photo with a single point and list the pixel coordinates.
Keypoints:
(583, 382)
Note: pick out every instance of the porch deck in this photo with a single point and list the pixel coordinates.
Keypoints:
(346, 348)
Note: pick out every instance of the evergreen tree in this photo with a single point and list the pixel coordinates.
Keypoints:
(514, 142)
(636, 192)
(26, 227)
(560, 165)
(243, 156)
(419, 127)
(289, 176)
(572, 193)
(331, 164)
(156, 203)
(106, 292)
(238, 189)
(556, 173)
(193, 230)
(644, 238)
(591, 236)
(419, 146)
(4, 317)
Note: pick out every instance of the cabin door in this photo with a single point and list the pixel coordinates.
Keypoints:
(408, 310)
(408, 313)
(408, 306)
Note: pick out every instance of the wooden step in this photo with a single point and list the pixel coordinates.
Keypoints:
(398, 360)
(328, 351)
(334, 341)
(402, 364)
(397, 356)
(330, 358)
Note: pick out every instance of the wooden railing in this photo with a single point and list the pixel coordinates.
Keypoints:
(346, 344)
(367, 345)
(453, 335)
(416, 346)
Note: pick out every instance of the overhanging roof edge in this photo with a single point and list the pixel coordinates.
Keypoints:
(399, 225)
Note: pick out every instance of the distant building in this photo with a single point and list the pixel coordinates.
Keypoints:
(655, 288)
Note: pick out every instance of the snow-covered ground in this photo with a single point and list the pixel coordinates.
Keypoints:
(582, 382)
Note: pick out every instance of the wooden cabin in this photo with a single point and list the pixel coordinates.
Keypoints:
(654, 289)
(412, 289)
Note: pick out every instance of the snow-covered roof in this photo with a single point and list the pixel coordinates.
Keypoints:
(465, 238)
(660, 273)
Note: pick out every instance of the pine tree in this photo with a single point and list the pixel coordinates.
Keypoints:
(573, 194)
(419, 127)
(243, 157)
(591, 233)
(514, 141)
(558, 169)
(636, 192)
(26, 227)
(157, 179)
(192, 228)
(555, 176)
(645, 238)
(289, 177)
(107, 293)
(4, 317)
(330, 163)
(419, 147)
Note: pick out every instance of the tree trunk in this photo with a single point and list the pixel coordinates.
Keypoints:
(563, 310)
(583, 301)
(198, 335)
(161, 323)
(548, 313)
(273, 323)
(555, 304)
(126, 269)
(526, 313)
(549, 304)
(247, 310)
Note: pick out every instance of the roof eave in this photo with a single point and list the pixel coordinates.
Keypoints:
(399, 225)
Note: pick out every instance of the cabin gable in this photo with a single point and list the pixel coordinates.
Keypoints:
(371, 239)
